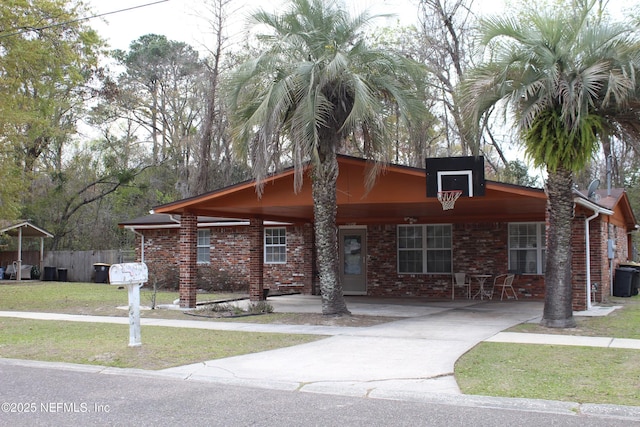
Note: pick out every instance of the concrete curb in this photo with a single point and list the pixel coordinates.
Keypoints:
(631, 413)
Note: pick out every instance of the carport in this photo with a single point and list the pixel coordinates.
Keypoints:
(22, 230)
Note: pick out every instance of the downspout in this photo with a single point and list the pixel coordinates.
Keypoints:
(141, 243)
(588, 255)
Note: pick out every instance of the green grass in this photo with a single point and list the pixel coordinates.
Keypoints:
(621, 323)
(107, 344)
(578, 374)
(80, 298)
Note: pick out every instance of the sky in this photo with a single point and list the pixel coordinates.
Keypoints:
(184, 20)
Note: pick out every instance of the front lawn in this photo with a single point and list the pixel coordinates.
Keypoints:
(107, 344)
(577, 374)
(81, 298)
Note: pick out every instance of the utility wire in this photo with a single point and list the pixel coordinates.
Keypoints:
(24, 30)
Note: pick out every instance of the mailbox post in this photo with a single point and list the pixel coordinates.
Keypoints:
(133, 275)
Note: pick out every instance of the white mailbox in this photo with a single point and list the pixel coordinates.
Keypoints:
(133, 275)
(128, 273)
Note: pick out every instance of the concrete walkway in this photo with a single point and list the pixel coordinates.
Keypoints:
(415, 354)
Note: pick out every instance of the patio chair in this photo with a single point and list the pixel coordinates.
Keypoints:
(460, 280)
(504, 282)
(12, 270)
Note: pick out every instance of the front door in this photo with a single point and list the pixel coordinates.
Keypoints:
(353, 255)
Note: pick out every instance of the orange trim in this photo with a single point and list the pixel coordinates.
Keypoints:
(399, 192)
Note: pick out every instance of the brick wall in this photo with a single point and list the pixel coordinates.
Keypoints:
(161, 256)
(229, 260)
(477, 249)
(297, 273)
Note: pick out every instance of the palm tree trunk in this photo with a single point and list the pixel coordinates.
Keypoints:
(325, 207)
(558, 312)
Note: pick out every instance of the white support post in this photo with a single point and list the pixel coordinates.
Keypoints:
(19, 266)
(134, 314)
(133, 275)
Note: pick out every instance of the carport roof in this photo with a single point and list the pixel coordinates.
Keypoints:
(398, 196)
(28, 229)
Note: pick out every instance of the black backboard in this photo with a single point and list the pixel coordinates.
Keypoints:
(455, 173)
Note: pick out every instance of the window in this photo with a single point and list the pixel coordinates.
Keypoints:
(424, 249)
(275, 245)
(527, 247)
(204, 246)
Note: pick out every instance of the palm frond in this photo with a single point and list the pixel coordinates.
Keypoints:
(318, 83)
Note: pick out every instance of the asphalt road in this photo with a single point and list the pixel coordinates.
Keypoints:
(39, 396)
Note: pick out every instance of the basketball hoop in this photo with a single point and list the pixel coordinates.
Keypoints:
(448, 198)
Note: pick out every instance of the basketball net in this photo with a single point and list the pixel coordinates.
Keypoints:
(448, 198)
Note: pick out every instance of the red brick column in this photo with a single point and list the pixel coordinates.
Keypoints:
(188, 254)
(256, 259)
(309, 259)
(578, 264)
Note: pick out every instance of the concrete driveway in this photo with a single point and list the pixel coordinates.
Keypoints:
(415, 354)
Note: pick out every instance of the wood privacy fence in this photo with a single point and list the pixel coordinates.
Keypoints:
(79, 265)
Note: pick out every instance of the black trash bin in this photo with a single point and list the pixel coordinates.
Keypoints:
(49, 274)
(635, 281)
(101, 272)
(623, 281)
(62, 275)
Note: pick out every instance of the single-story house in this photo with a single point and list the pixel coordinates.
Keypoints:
(395, 239)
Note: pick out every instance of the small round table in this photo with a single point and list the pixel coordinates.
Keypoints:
(481, 278)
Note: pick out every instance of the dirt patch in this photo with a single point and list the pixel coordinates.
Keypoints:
(313, 319)
(322, 320)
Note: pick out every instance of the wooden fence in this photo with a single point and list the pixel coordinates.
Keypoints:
(79, 265)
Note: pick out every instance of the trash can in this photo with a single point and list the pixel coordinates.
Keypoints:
(635, 281)
(623, 281)
(49, 274)
(62, 275)
(101, 272)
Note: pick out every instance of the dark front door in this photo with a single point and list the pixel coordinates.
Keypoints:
(353, 255)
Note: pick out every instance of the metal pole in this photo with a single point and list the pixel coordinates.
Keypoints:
(609, 173)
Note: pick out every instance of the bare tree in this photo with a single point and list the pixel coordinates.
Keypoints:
(211, 124)
(446, 28)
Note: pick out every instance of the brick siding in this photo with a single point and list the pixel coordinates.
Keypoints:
(228, 269)
(477, 248)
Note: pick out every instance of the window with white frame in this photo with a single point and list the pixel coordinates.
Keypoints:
(204, 246)
(527, 247)
(424, 249)
(275, 245)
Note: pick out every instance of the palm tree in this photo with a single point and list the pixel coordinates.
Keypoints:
(570, 80)
(316, 87)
